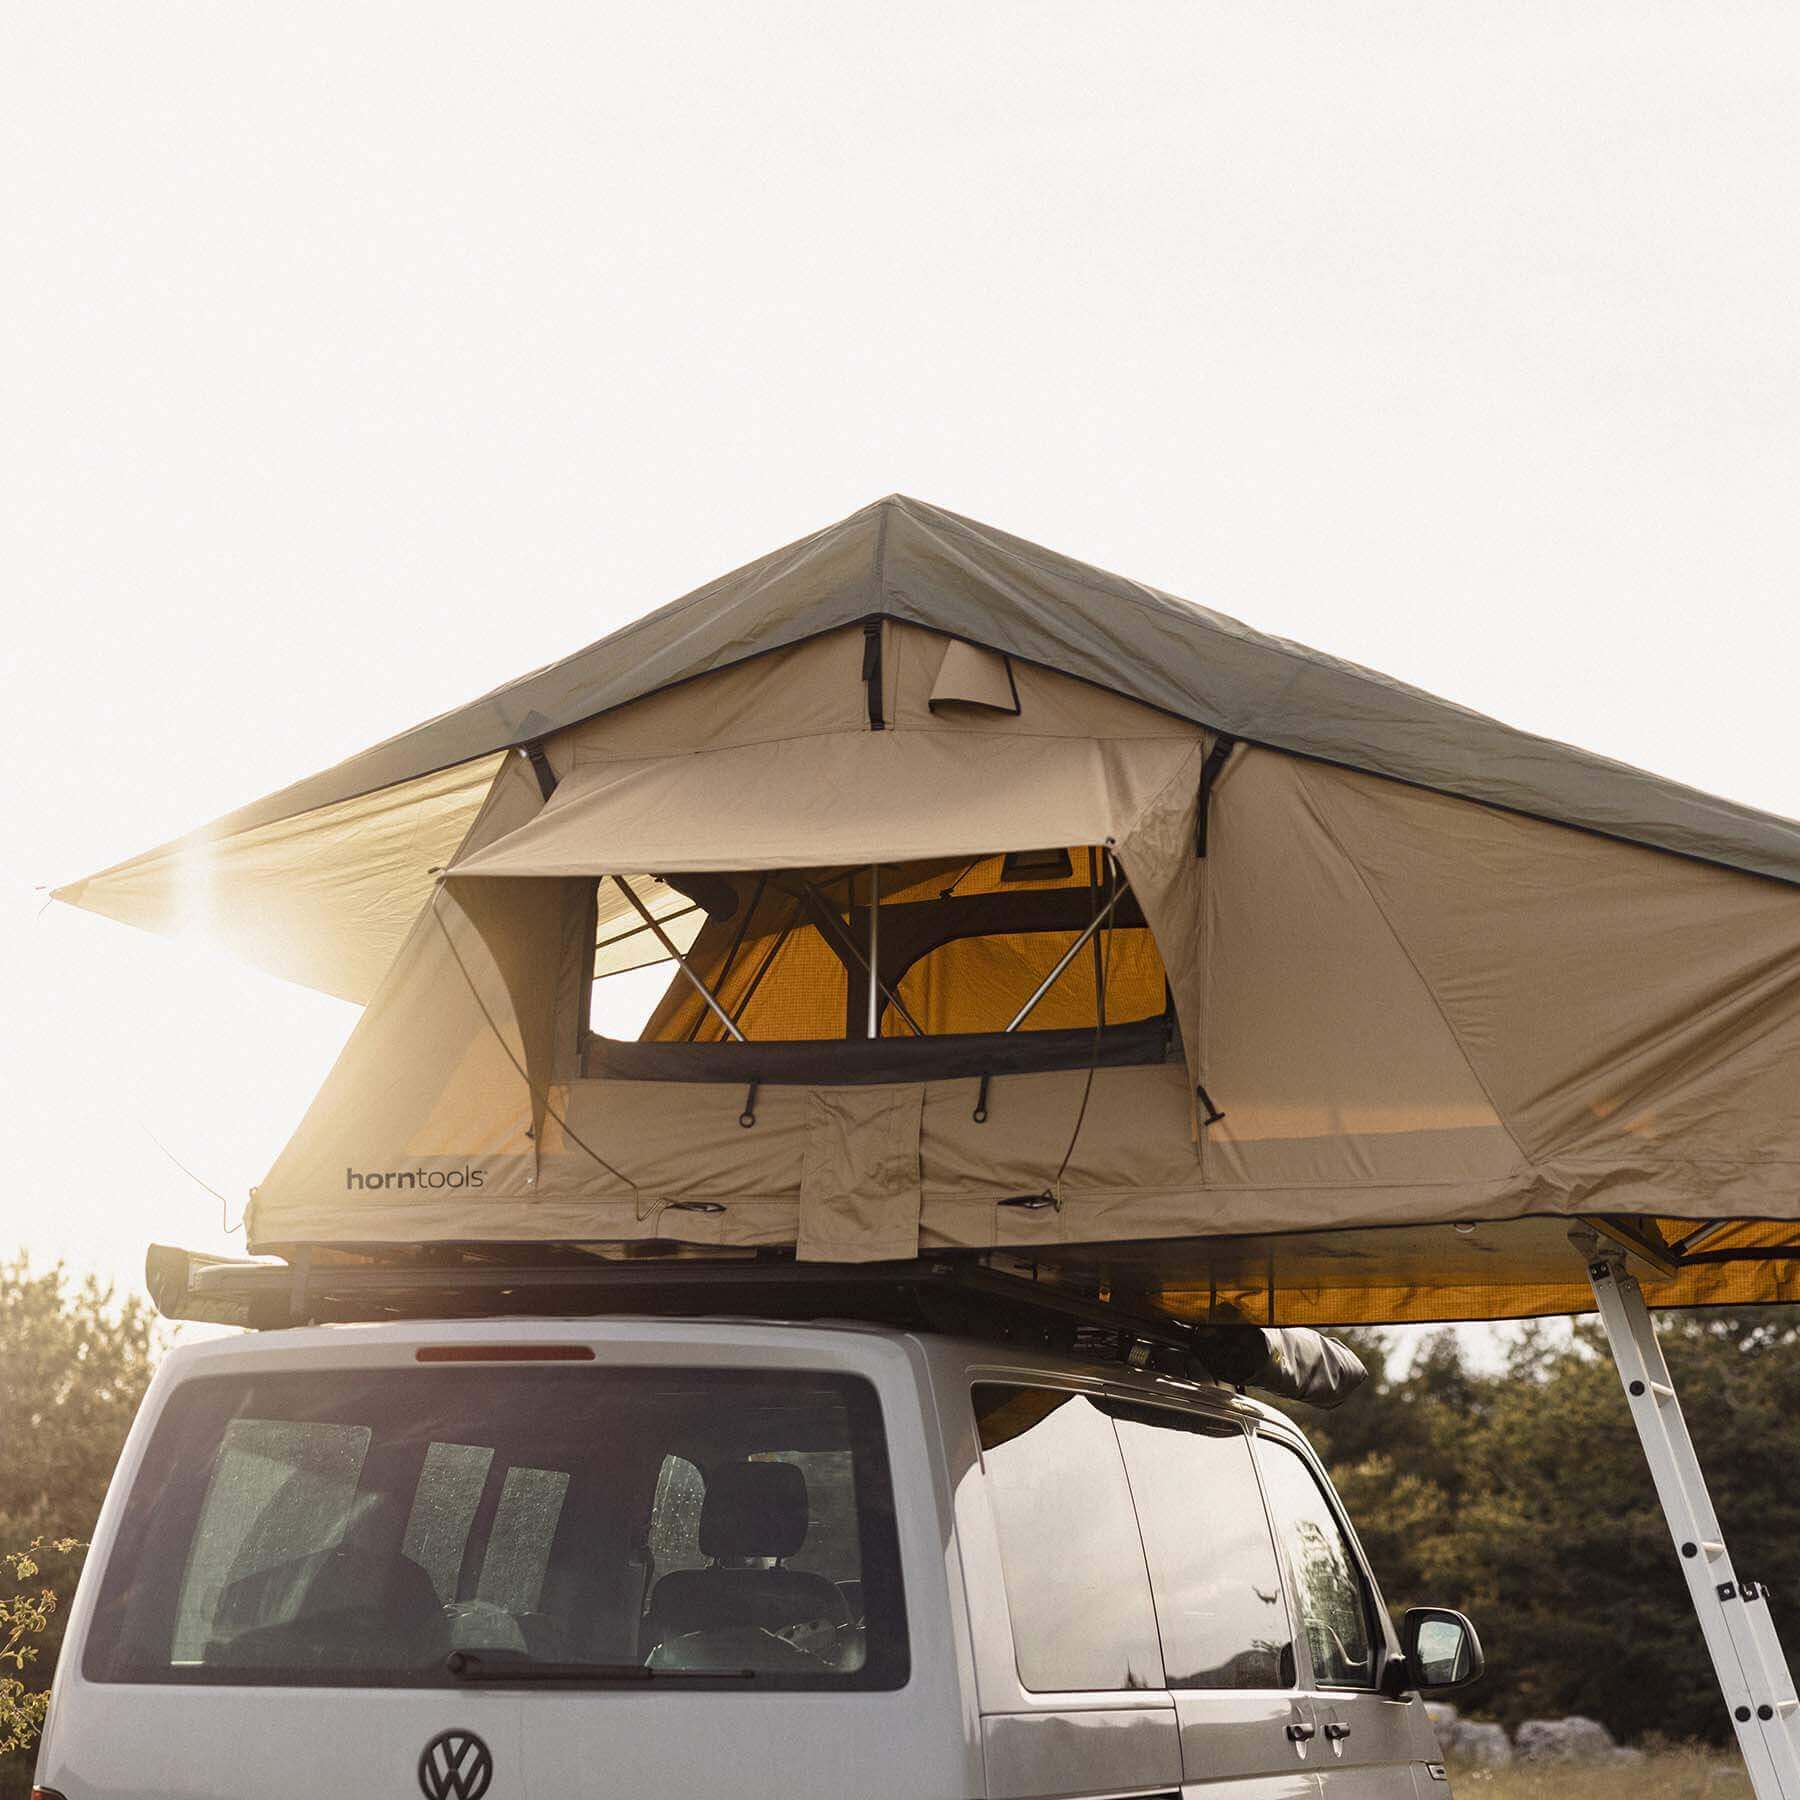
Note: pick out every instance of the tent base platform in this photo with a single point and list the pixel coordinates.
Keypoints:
(961, 1296)
(1389, 1275)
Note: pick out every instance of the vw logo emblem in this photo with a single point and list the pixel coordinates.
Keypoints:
(455, 1765)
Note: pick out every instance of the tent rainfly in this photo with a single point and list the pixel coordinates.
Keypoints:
(1012, 906)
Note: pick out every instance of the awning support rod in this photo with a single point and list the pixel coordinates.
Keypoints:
(681, 962)
(1704, 1234)
(1069, 955)
(1746, 1654)
(631, 931)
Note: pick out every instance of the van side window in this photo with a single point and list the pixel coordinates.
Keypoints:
(1073, 1564)
(1329, 1589)
(1213, 1570)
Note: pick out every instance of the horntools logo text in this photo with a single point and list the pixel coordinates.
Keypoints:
(414, 1178)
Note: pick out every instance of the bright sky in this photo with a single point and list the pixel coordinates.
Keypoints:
(359, 357)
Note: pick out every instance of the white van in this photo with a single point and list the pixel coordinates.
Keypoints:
(558, 1558)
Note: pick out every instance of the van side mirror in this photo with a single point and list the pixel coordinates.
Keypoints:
(1439, 1652)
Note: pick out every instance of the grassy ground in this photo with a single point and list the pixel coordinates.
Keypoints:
(1669, 1775)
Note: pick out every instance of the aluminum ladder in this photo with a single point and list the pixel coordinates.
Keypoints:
(1734, 1614)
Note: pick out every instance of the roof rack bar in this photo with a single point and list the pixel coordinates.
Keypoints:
(668, 943)
(193, 1285)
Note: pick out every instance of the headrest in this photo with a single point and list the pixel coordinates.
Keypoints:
(754, 1509)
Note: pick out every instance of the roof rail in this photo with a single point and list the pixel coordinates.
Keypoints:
(325, 1284)
(960, 1293)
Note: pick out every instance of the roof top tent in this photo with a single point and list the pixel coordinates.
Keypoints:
(1021, 915)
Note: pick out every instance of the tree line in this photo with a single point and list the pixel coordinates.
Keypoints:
(1520, 1495)
(1517, 1493)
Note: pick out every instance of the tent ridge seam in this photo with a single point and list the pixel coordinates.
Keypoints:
(878, 565)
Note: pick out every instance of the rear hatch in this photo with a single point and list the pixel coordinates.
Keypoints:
(506, 1562)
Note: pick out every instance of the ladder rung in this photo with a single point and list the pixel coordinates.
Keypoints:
(1713, 1551)
(1662, 1390)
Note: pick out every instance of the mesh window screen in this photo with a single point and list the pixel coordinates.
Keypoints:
(963, 945)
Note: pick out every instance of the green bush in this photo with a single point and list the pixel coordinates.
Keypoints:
(77, 1363)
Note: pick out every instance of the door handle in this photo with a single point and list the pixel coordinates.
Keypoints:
(1337, 1731)
(1301, 1733)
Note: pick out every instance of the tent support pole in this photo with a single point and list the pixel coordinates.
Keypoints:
(834, 927)
(681, 962)
(1068, 956)
(1734, 1615)
(874, 949)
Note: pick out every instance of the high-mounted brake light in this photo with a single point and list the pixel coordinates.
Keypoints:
(503, 1353)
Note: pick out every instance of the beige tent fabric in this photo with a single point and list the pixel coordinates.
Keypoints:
(437, 1094)
(1319, 1032)
(1397, 1012)
(860, 1175)
(324, 899)
(971, 676)
(1408, 1011)
(1635, 1017)
(892, 796)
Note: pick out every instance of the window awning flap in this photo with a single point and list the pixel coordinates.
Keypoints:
(864, 797)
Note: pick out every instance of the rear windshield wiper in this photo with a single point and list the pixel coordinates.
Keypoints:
(465, 1665)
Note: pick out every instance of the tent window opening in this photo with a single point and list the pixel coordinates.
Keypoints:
(1038, 947)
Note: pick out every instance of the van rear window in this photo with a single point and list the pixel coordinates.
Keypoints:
(357, 1528)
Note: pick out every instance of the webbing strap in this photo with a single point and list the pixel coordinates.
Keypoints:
(540, 767)
(1216, 759)
(871, 674)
